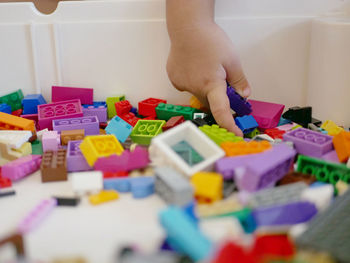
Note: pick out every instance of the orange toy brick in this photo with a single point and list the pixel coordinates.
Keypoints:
(207, 186)
(243, 147)
(11, 122)
(341, 144)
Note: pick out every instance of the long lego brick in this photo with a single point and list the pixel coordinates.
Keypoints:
(239, 104)
(166, 111)
(342, 145)
(21, 167)
(90, 124)
(58, 110)
(15, 138)
(11, 122)
(266, 114)
(244, 148)
(69, 93)
(98, 109)
(75, 159)
(219, 135)
(308, 142)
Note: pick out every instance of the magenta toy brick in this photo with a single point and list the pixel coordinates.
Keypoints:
(75, 159)
(266, 114)
(69, 93)
(21, 167)
(59, 110)
(33, 117)
(308, 142)
(36, 216)
(50, 141)
(98, 109)
(331, 156)
(90, 124)
(138, 159)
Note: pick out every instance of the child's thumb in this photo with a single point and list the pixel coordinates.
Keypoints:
(236, 78)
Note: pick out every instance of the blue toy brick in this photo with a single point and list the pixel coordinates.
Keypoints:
(5, 108)
(119, 128)
(283, 121)
(122, 185)
(142, 187)
(134, 110)
(30, 103)
(246, 123)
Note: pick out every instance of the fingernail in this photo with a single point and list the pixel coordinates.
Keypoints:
(246, 92)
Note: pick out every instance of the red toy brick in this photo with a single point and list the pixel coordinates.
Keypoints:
(5, 182)
(172, 122)
(232, 253)
(273, 246)
(115, 174)
(275, 133)
(148, 106)
(18, 112)
(122, 107)
(150, 118)
(129, 118)
(103, 125)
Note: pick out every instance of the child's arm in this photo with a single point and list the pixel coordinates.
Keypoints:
(202, 58)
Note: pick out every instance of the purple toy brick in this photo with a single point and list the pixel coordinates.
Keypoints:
(75, 159)
(69, 93)
(21, 167)
(289, 214)
(98, 109)
(331, 156)
(239, 104)
(308, 142)
(266, 114)
(89, 123)
(50, 141)
(58, 110)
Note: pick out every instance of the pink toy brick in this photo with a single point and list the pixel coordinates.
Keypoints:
(266, 114)
(21, 167)
(59, 110)
(69, 93)
(37, 215)
(50, 141)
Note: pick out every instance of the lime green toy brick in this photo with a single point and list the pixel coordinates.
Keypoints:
(219, 135)
(37, 147)
(13, 99)
(166, 111)
(110, 101)
(145, 130)
(252, 134)
(324, 171)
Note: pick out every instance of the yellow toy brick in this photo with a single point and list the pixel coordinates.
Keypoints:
(96, 146)
(25, 149)
(7, 154)
(207, 186)
(332, 128)
(103, 197)
(195, 103)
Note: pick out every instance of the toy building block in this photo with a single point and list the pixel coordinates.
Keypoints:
(219, 135)
(31, 102)
(7, 154)
(11, 122)
(67, 201)
(122, 185)
(294, 177)
(341, 144)
(130, 118)
(145, 130)
(119, 128)
(231, 250)
(309, 142)
(17, 241)
(108, 175)
(273, 246)
(142, 187)
(332, 128)
(331, 156)
(329, 230)
(302, 116)
(187, 153)
(219, 208)
(59, 93)
(341, 187)
(148, 106)
(246, 123)
(37, 148)
(5, 182)
(33, 117)
(111, 101)
(50, 141)
(166, 111)
(58, 110)
(17, 113)
(198, 122)
(103, 197)
(13, 99)
(122, 107)
(324, 171)
(172, 122)
(7, 192)
(237, 103)
(184, 235)
(172, 187)
(90, 124)
(75, 159)
(36, 216)
(15, 139)
(134, 110)
(98, 109)
(21, 167)
(162, 153)
(94, 147)
(252, 134)
(87, 182)
(195, 103)
(5, 108)
(266, 114)
(72, 135)
(275, 133)
(53, 166)
(207, 187)
(244, 148)
(321, 196)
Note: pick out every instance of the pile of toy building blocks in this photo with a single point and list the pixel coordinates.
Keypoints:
(280, 193)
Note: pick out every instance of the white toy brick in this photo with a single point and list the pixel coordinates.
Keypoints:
(86, 182)
(15, 138)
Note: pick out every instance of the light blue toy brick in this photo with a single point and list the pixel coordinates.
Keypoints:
(142, 186)
(183, 234)
(5, 108)
(122, 185)
(283, 121)
(246, 123)
(119, 128)
(30, 103)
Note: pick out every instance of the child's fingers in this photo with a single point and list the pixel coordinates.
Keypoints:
(220, 108)
(236, 78)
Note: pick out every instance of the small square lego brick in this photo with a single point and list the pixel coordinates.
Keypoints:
(69, 93)
(53, 166)
(266, 114)
(89, 123)
(5, 182)
(300, 115)
(31, 102)
(103, 197)
(341, 144)
(246, 123)
(5, 108)
(67, 201)
(98, 109)
(237, 103)
(13, 99)
(207, 186)
(87, 182)
(122, 107)
(21, 167)
(332, 128)
(72, 135)
(145, 130)
(275, 133)
(244, 148)
(11, 122)
(50, 141)
(111, 111)
(130, 118)
(219, 135)
(75, 159)
(37, 148)
(166, 111)
(148, 106)
(119, 128)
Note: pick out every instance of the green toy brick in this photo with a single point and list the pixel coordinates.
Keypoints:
(110, 101)
(324, 171)
(219, 135)
(37, 147)
(166, 111)
(13, 99)
(145, 130)
(252, 134)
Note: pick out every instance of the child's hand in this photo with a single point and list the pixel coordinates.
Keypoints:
(201, 59)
